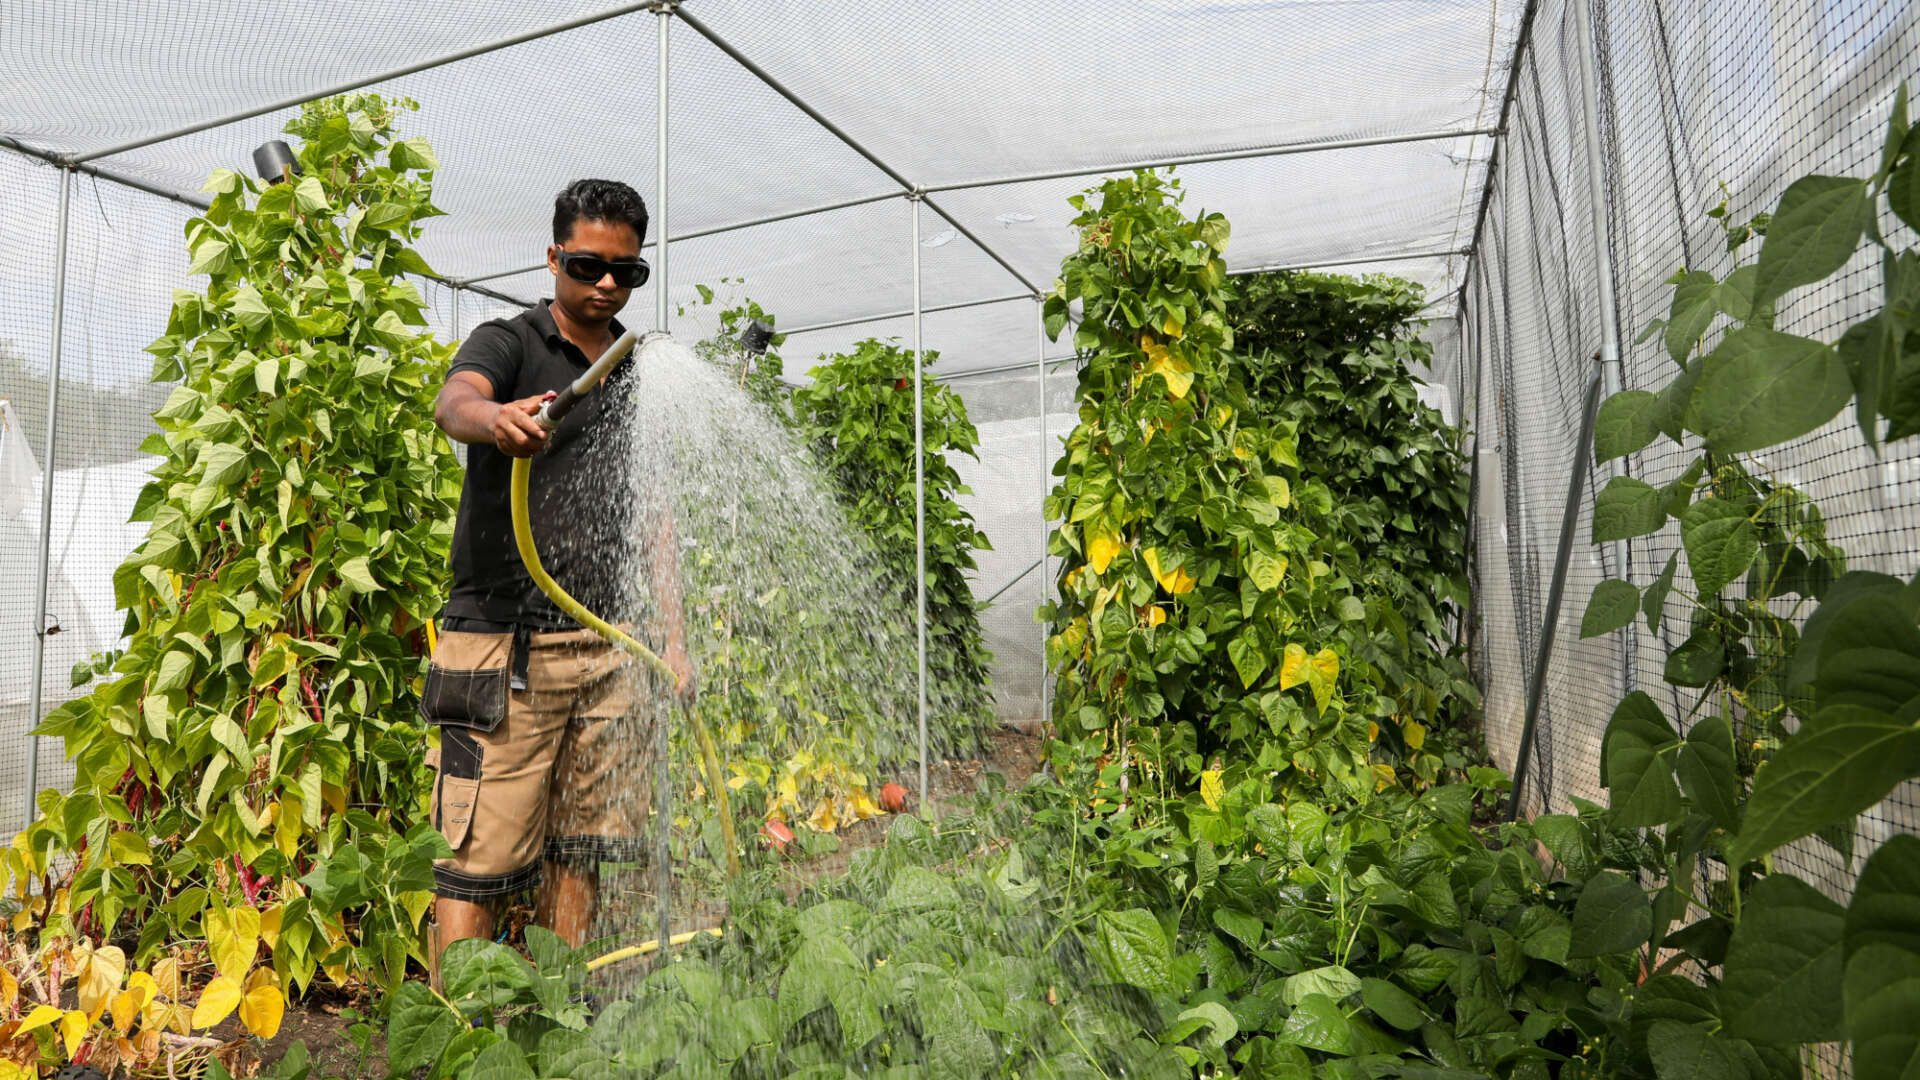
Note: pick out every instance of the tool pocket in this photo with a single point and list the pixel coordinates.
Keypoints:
(467, 682)
(458, 791)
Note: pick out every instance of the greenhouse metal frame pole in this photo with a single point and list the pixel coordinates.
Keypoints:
(919, 502)
(662, 746)
(1272, 150)
(913, 190)
(1612, 370)
(1569, 521)
(884, 316)
(46, 490)
(1040, 367)
(356, 84)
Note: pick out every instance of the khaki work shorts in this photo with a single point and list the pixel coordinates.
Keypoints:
(558, 771)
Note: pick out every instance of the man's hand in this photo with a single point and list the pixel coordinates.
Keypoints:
(685, 685)
(515, 432)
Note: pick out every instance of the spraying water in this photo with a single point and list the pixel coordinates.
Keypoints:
(804, 650)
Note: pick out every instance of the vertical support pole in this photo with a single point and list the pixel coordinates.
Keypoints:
(454, 317)
(1550, 623)
(919, 502)
(663, 775)
(1046, 467)
(47, 465)
(1612, 370)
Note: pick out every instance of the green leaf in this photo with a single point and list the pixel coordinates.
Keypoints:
(1636, 747)
(1721, 541)
(1886, 900)
(485, 974)
(1903, 191)
(1654, 604)
(1247, 658)
(1695, 304)
(1627, 508)
(1709, 774)
(1759, 388)
(412, 154)
(1685, 1052)
(1613, 915)
(1212, 1016)
(1781, 980)
(501, 1061)
(1626, 423)
(356, 574)
(309, 197)
(1848, 760)
(1698, 660)
(1882, 996)
(1815, 229)
(1318, 1024)
(1612, 606)
(1735, 297)
(1267, 571)
(1392, 1004)
(1134, 950)
(1332, 981)
(1565, 838)
(418, 1028)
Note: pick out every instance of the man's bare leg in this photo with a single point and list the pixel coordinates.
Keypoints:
(456, 919)
(567, 895)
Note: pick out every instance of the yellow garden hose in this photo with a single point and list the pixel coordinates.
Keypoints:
(523, 538)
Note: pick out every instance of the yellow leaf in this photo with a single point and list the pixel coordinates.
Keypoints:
(1321, 674)
(1416, 734)
(9, 990)
(270, 926)
(233, 935)
(863, 805)
(1293, 667)
(1155, 614)
(1222, 414)
(126, 1006)
(1171, 366)
(823, 817)
(1101, 550)
(262, 1009)
(1373, 731)
(10, 1071)
(1211, 790)
(98, 978)
(22, 919)
(1175, 581)
(40, 1017)
(166, 977)
(217, 1001)
(142, 987)
(1383, 778)
(73, 1029)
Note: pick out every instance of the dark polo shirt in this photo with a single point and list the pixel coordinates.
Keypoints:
(578, 503)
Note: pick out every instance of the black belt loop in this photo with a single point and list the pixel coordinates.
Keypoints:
(522, 656)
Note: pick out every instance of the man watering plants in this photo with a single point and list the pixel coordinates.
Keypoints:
(536, 714)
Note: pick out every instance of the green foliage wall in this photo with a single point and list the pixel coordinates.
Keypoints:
(1334, 358)
(858, 417)
(262, 717)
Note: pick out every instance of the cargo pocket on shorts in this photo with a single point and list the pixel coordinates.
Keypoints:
(460, 758)
(458, 695)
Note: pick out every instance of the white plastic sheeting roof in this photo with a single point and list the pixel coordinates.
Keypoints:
(941, 94)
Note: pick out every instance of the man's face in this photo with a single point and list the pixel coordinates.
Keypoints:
(596, 301)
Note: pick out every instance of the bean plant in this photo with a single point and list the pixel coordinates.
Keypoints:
(262, 716)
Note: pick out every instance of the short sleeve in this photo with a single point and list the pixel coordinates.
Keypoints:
(492, 350)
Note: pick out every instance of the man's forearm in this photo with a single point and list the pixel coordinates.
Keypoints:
(466, 415)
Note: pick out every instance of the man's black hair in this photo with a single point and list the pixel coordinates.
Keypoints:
(598, 200)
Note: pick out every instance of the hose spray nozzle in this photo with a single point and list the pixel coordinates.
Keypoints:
(557, 407)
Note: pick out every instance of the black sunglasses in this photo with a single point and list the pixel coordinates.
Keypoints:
(588, 269)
